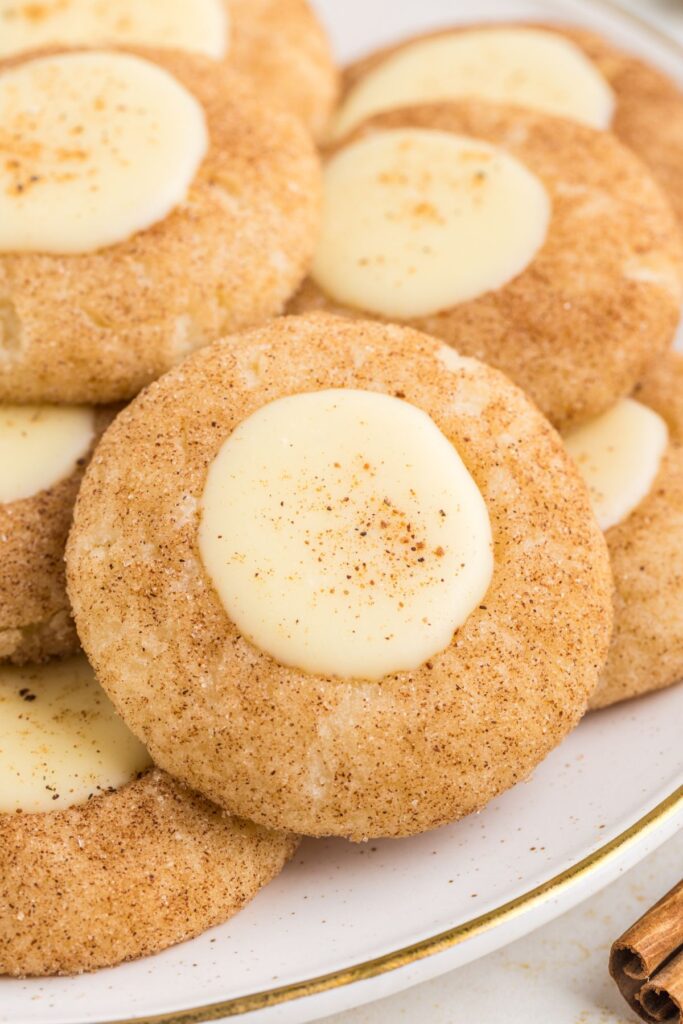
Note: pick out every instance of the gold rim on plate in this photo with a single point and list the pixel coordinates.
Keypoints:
(427, 947)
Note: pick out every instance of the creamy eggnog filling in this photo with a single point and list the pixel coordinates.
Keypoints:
(344, 534)
(416, 221)
(525, 66)
(96, 147)
(61, 742)
(200, 26)
(619, 454)
(41, 445)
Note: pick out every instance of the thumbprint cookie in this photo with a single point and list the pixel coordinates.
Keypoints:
(105, 858)
(279, 44)
(339, 578)
(537, 244)
(149, 201)
(43, 451)
(632, 459)
(562, 70)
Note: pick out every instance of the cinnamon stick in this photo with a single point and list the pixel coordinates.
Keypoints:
(662, 998)
(647, 961)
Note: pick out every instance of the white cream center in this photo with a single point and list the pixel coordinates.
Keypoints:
(61, 741)
(619, 454)
(41, 445)
(344, 534)
(525, 66)
(96, 147)
(417, 221)
(200, 26)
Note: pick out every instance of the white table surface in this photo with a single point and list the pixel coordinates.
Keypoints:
(558, 974)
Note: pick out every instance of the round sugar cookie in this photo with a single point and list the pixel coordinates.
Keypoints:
(127, 872)
(646, 553)
(98, 322)
(39, 481)
(645, 109)
(348, 546)
(279, 44)
(572, 307)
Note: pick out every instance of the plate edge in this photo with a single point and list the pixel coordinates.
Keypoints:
(239, 1005)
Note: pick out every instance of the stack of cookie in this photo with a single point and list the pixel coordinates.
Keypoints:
(352, 571)
(153, 196)
(567, 212)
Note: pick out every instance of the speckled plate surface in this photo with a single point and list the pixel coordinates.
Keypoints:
(346, 924)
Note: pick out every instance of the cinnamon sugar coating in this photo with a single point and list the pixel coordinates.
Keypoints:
(35, 616)
(97, 327)
(125, 875)
(599, 301)
(646, 552)
(283, 48)
(649, 105)
(324, 755)
(649, 112)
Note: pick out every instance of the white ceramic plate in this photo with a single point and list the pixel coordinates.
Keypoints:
(346, 924)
